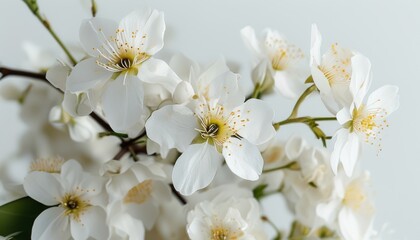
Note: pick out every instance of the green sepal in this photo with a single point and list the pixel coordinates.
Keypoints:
(258, 191)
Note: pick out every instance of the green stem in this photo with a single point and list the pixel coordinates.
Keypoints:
(324, 119)
(267, 220)
(93, 8)
(120, 135)
(289, 121)
(256, 93)
(33, 6)
(292, 166)
(302, 97)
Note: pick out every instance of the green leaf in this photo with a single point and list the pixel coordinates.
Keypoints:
(259, 191)
(18, 216)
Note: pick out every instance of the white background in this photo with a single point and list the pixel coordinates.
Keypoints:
(386, 31)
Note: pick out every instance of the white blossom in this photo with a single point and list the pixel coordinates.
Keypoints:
(79, 214)
(225, 216)
(120, 61)
(207, 133)
(333, 72)
(276, 62)
(362, 121)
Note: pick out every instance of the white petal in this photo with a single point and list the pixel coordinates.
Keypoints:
(259, 129)
(341, 136)
(360, 78)
(155, 71)
(261, 75)
(86, 75)
(316, 40)
(57, 76)
(183, 66)
(320, 80)
(350, 153)
(385, 98)
(70, 174)
(78, 229)
(155, 95)
(82, 130)
(324, 87)
(43, 187)
(294, 147)
(289, 83)
(216, 69)
(196, 168)
(77, 104)
(146, 212)
(172, 126)
(183, 93)
(243, 158)
(95, 32)
(250, 40)
(122, 102)
(349, 225)
(343, 116)
(226, 89)
(95, 220)
(51, 224)
(148, 23)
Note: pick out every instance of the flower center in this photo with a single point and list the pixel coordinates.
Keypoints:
(282, 53)
(370, 122)
(73, 205)
(124, 63)
(336, 65)
(121, 52)
(222, 233)
(354, 197)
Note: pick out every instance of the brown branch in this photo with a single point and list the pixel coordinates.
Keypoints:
(178, 195)
(10, 72)
(5, 72)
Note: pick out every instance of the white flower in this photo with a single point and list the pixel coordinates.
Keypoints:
(362, 122)
(79, 213)
(120, 61)
(276, 62)
(76, 104)
(80, 128)
(350, 207)
(209, 132)
(225, 217)
(216, 82)
(332, 73)
(136, 193)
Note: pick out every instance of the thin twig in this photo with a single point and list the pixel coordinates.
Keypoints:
(5, 72)
(178, 195)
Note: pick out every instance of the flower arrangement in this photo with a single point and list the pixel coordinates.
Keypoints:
(194, 154)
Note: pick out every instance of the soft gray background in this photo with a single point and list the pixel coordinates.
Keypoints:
(386, 31)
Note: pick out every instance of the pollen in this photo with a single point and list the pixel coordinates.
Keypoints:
(282, 53)
(217, 125)
(223, 233)
(74, 205)
(370, 123)
(140, 193)
(121, 52)
(336, 65)
(354, 197)
(50, 164)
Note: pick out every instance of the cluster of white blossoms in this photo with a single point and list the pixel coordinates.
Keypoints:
(177, 150)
